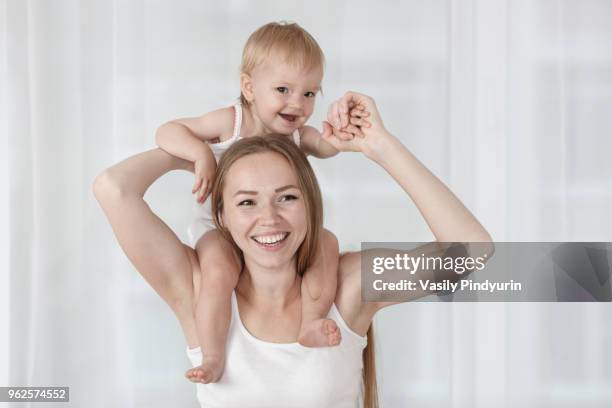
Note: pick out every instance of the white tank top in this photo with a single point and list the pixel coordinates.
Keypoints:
(260, 374)
(219, 148)
(202, 219)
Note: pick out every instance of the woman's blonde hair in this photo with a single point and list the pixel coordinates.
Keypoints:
(308, 185)
(288, 40)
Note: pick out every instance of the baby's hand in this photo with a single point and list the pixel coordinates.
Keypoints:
(347, 118)
(204, 169)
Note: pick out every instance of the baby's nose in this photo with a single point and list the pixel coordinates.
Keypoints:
(297, 101)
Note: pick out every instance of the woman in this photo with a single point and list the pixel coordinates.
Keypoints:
(266, 187)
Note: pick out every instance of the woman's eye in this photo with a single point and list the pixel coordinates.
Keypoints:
(310, 94)
(245, 203)
(282, 89)
(288, 197)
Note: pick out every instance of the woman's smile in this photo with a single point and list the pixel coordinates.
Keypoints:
(271, 241)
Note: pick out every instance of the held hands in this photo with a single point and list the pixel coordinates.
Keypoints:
(204, 170)
(347, 117)
(354, 124)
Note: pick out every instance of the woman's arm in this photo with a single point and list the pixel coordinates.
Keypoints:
(446, 216)
(152, 247)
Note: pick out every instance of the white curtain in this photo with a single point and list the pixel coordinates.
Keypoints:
(507, 101)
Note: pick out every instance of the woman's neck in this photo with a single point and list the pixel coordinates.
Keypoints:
(270, 288)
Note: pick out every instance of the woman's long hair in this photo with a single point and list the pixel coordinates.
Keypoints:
(307, 182)
(370, 387)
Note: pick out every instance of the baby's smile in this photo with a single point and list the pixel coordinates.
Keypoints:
(287, 117)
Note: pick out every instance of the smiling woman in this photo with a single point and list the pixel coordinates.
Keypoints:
(268, 219)
(292, 194)
(266, 202)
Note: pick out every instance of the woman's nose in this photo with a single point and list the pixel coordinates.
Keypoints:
(269, 215)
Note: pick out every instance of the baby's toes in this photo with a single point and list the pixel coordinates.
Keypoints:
(192, 375)
(333, 333)
(335, 338)
(201, 375)
(330, 326)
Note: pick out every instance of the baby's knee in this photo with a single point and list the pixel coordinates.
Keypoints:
(219, 263)
(328, 240)
(210, 238)
(213, 247)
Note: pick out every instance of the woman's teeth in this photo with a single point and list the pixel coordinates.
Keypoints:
(271, 239)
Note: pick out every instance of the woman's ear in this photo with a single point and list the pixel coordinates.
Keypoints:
(246, 87)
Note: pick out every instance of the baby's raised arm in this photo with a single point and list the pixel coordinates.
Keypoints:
(188, 138)
(313, 143)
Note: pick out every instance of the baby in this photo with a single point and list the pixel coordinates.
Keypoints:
(280, 77)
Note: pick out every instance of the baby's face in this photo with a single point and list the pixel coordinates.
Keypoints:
(284, 95)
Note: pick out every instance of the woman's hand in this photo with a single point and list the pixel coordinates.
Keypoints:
(353, 132)
(204, 170)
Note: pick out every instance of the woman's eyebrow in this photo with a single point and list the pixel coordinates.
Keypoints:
(249, 192)
(287, 187)
(278, 190)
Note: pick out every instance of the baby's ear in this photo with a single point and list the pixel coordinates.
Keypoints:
(246, 87)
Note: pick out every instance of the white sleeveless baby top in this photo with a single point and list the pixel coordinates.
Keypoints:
(202, 221)
(260, 374)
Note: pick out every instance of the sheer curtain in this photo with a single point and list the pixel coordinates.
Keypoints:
(507, 101)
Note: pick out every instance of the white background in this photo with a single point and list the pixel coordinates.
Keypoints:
(507, 101)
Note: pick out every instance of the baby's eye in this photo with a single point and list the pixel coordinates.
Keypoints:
(246, 203)
(282, 89)
(287, 197)
(310, 94)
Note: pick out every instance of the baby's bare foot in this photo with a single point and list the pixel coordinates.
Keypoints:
(209, 372)
(320, 333)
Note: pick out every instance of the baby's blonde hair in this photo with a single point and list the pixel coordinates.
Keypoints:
(288, 40)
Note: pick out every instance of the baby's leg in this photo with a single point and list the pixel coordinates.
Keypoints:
(220, 269)
(318, 294)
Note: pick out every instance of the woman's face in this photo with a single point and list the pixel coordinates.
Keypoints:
(264, 209)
